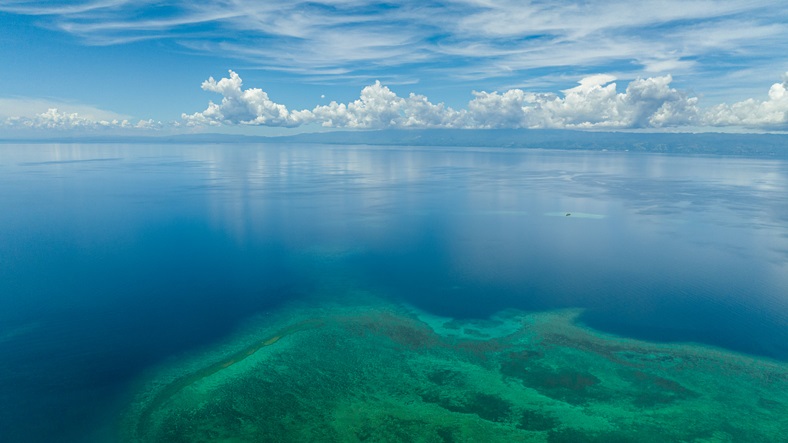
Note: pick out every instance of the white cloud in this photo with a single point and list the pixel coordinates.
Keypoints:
(36, 8)
(379, 107)
(772, 112)
(148, 124)
(53, 118)
(471, 38)
(250, 107)
(30, 107)
(594, 103)
(38, 113)
(494, 110)
(56, 119)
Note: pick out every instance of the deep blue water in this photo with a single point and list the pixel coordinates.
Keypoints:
(114, 258)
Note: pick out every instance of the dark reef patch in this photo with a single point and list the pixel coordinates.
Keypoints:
(569, 435)
(445, 377)
(771, 405)
(403, 331)
(392, 429)
(486, 406)
(536, 421)
(653, 390)
(569, 385)
(446, 435)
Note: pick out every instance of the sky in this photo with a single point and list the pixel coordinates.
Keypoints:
(148, 67)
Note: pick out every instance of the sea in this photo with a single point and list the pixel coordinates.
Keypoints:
(517, 294)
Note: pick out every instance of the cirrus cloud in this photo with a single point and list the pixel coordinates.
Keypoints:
(460, 39)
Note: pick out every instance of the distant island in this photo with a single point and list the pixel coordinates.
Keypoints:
(758, 145)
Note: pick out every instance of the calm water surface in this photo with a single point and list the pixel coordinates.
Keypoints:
(115, 257)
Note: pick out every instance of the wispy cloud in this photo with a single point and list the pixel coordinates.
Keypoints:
(478, 39)
(72, 9)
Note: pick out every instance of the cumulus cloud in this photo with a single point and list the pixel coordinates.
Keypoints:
(249, 107)
(594, 103)
(31, 107)
(379, 107)
(772, 112)
(53, 118)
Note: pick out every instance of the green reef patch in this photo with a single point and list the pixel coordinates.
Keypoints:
(379, 372)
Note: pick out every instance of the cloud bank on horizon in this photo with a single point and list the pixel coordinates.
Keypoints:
(722, 55)
(595, 103)
(53, 118)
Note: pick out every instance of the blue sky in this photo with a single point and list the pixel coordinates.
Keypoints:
(288, 66)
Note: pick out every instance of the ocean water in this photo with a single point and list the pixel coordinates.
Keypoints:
(335, 293)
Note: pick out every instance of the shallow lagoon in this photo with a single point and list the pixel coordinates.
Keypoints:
(542, 295)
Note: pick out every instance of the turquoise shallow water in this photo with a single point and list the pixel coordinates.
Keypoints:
(367, 370)
(125, 267)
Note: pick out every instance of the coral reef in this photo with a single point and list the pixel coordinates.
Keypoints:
(382, 373)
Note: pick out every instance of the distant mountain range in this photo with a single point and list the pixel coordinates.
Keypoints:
(768, 145)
